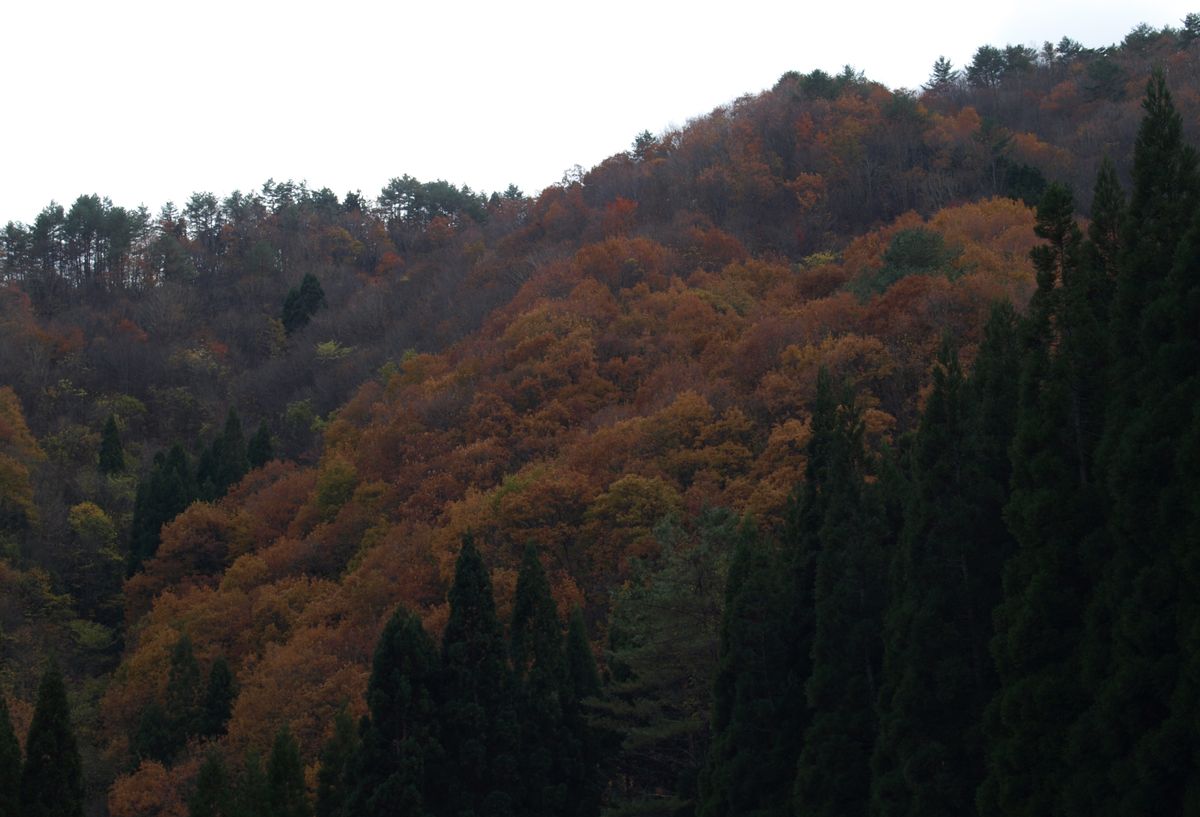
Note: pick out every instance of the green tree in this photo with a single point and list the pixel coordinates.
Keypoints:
(164, 493)
(1141, 638)
(478, 718)
(225, 461)
(52, 777)
(213, 796)
(987, 67)
(943, 76)
(184, 702)
(752, 759)
(551, 760)
(285, 778)
(335, 777)
(153, 739)
(944, 580)
(252, 794)
(1056, 513)
(259, 450)
(399, 764)
(581, 662)
(833, 771)
(302, 303)
(112, 455)
(583, 684)
(10, 765)
(664, 633)
(219, 694)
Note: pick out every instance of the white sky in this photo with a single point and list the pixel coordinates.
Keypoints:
(150, 101)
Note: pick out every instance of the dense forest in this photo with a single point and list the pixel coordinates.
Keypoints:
(836, 453)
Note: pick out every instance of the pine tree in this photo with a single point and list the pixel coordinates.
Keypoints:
(112, 455)
(184, 702)
(551, 760)
(219, 694)
(833, 771)
(153, 738)
(301, 304)
(259, 450)
(10, 765)
(750, 770)
(1056, 514)
(581, 663)
(1142, 624)
(399, 765)
(285, 778)
(583, 793)
(480, 730)
(252, 795)
(336, 773)
(944, 581)
(224, 462)
(165, 492)
(213, 796)
(52, 777)
(652, 722)
(233, 463)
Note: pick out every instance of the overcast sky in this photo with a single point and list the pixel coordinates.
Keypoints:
(146, 102)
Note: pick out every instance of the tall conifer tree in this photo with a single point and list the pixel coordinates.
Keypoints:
(400, 762)
(944, 581)
(52, 778)
(10, 765)
(551, 762)
(1143, 624)
(479, 724)
(1056, 514)
(112, 455)
(285, 778)
(833, 773)
(750, 769)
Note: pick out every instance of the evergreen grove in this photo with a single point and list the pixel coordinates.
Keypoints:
(998, 618)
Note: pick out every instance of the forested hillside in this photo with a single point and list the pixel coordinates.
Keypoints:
(832, 454)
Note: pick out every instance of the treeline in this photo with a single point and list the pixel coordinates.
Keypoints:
(997, 618)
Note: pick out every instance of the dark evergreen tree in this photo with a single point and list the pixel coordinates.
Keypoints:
(259, 450)
(233, 463)
(1142, 626)
(165, 492)
(750, 769)
(224, 462)
(944, 581)
(219, 693)
(1056, 514)
(664, 632)
(581, 662)
(301, 304)
(336, 774)
(52, 777)
(285, 778)
(833, 772)
(213, 796)
(399, 765)
(551, 760)
(112, 455)
(479, 724)
(10, 765)
(184, 702)
(153, 739)
(252, 794)
(584, 793)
